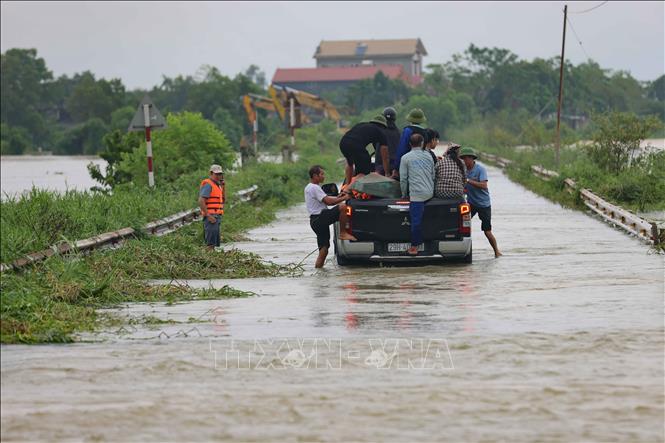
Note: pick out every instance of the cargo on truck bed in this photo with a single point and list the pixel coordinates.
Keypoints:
(383, 229)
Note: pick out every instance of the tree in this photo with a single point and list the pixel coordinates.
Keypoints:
(23, 79)
(616, 142)
(378, 92)
(225, 122)
(116, 143)
(83, 139)
(121, 117)
(256, 75)
(92, 98)
(656, 89)
(15, 140)
(189, 143)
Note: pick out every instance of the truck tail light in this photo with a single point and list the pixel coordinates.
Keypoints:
(465, 219)
(349, 227)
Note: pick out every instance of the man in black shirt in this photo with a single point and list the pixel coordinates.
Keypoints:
(385, 159)
(353, 146)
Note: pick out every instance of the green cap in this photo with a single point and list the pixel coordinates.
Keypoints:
(467, 151)
(416, 115)
(380, 119)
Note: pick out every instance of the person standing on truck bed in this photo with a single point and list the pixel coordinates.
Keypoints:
(479, 194)
(320, 217)
(416, 178)
(450, 175)
(353, 146)
(385, 159)
(416, 118)
(432, 141)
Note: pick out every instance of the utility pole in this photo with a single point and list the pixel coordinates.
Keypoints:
(558, 110)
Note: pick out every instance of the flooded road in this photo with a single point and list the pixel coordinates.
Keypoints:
(561, 339)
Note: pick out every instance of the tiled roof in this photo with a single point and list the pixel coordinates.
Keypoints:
(337, 73)
(369, 48)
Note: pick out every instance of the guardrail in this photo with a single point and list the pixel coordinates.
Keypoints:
(626, 220)
(105, 239)
(543, 173)
(632, 223)
(109, 239)
(502, 162)
(629, 222)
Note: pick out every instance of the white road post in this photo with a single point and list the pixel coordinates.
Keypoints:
(148, 144)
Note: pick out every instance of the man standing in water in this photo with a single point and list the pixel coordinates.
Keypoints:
(211, 201)
(479, 194)
(320, 217)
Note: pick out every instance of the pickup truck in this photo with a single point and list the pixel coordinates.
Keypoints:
(383, 229)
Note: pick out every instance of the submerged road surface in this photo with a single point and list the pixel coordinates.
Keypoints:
(559, 340)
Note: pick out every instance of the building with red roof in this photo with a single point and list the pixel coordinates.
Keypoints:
(319, 80)
(340, 64)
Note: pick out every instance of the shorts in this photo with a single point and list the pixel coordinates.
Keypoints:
(211, 230)
(485, 215)
(320, 224)
(356, 155)
(379, 167)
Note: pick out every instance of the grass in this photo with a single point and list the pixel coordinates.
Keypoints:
(53, 300)
(633, 188)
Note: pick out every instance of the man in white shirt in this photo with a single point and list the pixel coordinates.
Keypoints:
(320, 216)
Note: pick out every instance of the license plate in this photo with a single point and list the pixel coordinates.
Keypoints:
(402, 247)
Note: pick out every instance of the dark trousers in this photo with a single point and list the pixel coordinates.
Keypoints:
(416, 210)
(211, 231)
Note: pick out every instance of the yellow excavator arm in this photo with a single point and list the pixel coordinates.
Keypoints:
(280, 96)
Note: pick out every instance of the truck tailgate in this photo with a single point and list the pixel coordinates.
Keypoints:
(388, 220)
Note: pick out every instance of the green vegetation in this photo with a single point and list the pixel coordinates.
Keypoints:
(484, 97)
(477, 87)
(71, 115)
(516, 99)
(612, 166)
(51, 301)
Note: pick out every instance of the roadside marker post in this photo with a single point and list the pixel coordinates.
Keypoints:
(147, 117)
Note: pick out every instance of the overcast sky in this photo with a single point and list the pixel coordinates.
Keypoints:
(141, 41)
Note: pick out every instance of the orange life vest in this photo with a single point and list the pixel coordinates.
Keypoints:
(214, 203)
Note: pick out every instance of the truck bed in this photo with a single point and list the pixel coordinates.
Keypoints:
(383, 229)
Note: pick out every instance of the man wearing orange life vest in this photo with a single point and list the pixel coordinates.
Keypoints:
(212, 196)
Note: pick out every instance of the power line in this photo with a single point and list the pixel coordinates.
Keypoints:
(578, 38)
(590, 9)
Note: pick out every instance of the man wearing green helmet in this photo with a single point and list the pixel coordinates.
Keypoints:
(416, 119)
(479, 194)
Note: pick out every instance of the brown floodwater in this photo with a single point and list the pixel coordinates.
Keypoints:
(561, 339)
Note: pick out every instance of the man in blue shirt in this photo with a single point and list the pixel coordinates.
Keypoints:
(479, 194)
(416, 178)
(416, 119)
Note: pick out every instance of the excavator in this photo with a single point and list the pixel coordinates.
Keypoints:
(282, 100)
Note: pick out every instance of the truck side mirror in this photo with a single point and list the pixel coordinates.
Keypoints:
(330, 189)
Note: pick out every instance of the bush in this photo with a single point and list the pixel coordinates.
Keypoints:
(189, 143)
(83, 139)
(15, 140)
(616, 142)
